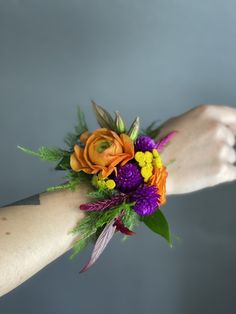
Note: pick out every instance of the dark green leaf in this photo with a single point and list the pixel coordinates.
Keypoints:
(64, 163)
(103, 117)
(151, 130)
(158, 224)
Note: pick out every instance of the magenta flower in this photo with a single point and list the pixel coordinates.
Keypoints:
(144, 143)
(128, 178)
(147, 200)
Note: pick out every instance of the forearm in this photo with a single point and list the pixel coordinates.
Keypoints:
(33, 235)
(34, 232)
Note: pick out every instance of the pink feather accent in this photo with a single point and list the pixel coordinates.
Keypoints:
(160, 144)
(100, 244)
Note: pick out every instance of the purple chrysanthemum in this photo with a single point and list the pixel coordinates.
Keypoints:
(128, 178)
(147, 200)
(144, 143)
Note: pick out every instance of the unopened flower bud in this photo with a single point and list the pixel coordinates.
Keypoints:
(120, 124)
(134, 129)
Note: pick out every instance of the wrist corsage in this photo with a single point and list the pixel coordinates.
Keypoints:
(125, 172)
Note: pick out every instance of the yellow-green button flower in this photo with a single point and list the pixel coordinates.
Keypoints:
(155, 152)
(139, 157)
(110, 184)
(148, 156)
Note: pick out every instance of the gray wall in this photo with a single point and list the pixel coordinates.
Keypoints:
(150, 58)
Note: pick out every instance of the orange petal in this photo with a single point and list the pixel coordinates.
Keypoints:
(74, 163)
(126, 159)
(159, 180)
(89, 170)
(128, 144)
(107, 171)
(89, 142)
(117, 137)
(79, 153)
(116, 160)
(84, 136)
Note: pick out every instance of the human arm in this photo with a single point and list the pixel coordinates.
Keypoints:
(203, 148)
(39, 233)
(35, 233)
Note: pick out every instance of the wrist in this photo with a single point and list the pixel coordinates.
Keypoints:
(124, 167)
(169, 186)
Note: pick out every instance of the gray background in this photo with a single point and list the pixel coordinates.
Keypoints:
(150, 58)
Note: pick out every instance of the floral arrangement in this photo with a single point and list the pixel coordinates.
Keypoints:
(125, 172)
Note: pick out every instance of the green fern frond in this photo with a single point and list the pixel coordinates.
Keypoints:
(73, 180)
(101, 193)
(93, 223)
(45, 153)
(151, 130)
(67, 186)
(79, 245)
(73, 137)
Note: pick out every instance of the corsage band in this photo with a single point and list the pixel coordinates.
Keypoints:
(126, 174)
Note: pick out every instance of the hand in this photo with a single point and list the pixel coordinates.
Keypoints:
(202, 148)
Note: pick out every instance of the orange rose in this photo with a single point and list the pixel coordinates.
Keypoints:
(159, 180)
(103, 150)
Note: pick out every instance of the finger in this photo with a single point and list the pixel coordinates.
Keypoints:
(231, 172)
(224, 114)
(227, 135)
(228, 154)
(227, 173)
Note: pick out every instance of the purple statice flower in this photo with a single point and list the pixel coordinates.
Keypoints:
(147, 199)
(144, 143)
(128, 178)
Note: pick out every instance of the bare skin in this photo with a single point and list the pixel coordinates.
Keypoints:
(202, 148)
(32, 236)
(34, 232)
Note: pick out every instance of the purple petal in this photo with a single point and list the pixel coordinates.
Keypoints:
(146, 199)
(160, 144)
(100, 244)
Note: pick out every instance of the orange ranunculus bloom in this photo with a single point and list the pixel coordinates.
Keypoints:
(159, 180)
(103, 150)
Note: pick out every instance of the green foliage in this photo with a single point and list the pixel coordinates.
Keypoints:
(120, 123)
(73, 137)
(45, 153)
(103, 117)
(158, 224)
(130, 220)
(101, 193)
(93, 223)
(96, 219)
(91, 226)
(151, 130)
(67, 186)
(79, 245)
(73, 180)
(134, 129)
(64, 163)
